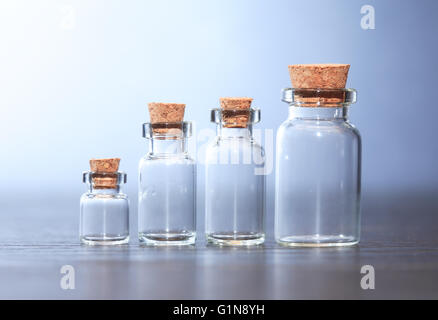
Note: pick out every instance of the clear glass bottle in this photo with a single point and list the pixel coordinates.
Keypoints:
(167, 186)
(318, 170)
(235, 182)
(104, 212)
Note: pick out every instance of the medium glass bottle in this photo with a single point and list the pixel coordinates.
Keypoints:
(167, 186)
(104, 210)
(318, 170)
(235, 181)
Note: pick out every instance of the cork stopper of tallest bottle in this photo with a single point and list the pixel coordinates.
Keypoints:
(319, 76)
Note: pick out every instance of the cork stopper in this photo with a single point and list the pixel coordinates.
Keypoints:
(322, 76)
(235, 111)
(166, 118)
(104, 172)
(319, 76)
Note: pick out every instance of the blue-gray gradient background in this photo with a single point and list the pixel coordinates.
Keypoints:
(76, 77)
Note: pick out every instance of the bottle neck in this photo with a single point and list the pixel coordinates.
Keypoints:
(167, 147)
(318, 113)
(225, 132)
(104, 191)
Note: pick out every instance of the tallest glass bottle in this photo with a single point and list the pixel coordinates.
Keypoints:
(318, 162)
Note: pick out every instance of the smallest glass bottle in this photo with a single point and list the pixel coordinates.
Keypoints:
(104, 214)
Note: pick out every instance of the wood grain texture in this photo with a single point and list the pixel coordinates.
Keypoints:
(400, 239)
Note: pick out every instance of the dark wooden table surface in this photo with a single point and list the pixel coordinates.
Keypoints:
(399, 239)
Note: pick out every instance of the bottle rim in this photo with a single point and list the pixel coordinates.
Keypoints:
(253, 115)
(319, 97)
(167, 130)
(119, 176)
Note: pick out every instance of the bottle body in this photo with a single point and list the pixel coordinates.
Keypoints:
(167, 194)
(318, 178)
(167, 202)
(104, 217)
(235, 189)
